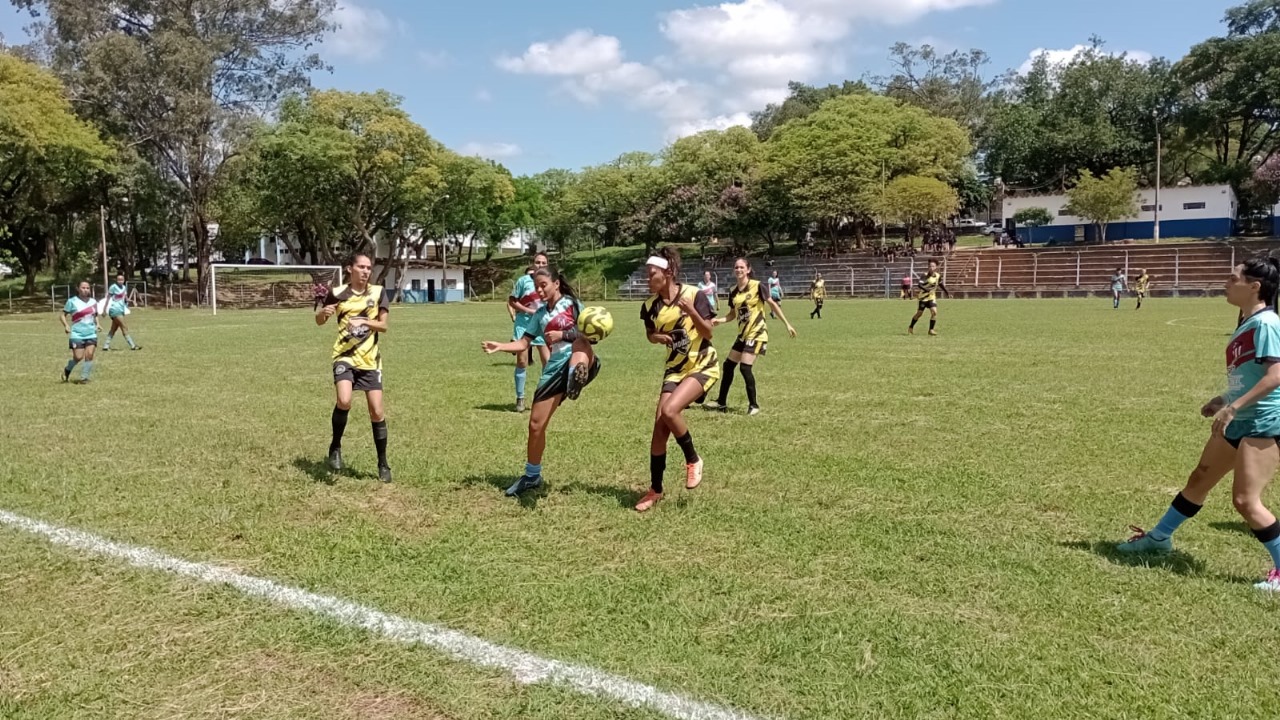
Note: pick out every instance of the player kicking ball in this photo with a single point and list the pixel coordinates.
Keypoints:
(569, 332)
(361, 310)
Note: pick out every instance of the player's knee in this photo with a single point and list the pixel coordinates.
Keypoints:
(1247, 505)
(343, 403)
(537, 424)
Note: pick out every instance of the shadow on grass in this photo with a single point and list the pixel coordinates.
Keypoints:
(528, 499)
(626, 498)
(1176, 562)
(508, 408)
(1237, 526)
(318, 470)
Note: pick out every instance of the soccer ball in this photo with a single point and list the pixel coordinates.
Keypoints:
(595, 324)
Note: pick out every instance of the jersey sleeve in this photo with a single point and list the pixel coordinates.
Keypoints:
(649, 327)
(330, 298)
(1267, 342)
(703, 306)
(384, 302)
(516, 291)
(69, 308)
(538, 325)
(764, 296)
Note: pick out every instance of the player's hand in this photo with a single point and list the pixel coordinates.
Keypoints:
(328, 310)
(489, 347)
(1222, 419)
(686, 305)
(790, 330)
(554, 336)
(664, 340)
(356, 322)
(1212, 407)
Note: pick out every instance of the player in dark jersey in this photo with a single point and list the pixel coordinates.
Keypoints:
(361, 310)
(570, 368)
(747, 302)
(679, 317)
(927, 294)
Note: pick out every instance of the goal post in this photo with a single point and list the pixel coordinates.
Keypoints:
(248, 286)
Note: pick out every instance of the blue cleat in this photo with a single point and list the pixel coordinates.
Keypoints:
(1143, 544)
(523, 484)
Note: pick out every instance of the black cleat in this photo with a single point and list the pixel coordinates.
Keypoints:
(136, 347)
(335, 460)
(66, 375)
(384, 473)
(579, 376)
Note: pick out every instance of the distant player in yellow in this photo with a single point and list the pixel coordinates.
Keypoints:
(361, 310)
(817, 291)
(1141, 286)
(747, 303)
(680, 318)
(927, 294)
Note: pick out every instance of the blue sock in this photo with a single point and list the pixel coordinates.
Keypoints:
(1270, 539)
(1180, 511)
(129, 339)
(71, 365)
(110, 337)
(520, 376)
(84, 371)
(531, 470)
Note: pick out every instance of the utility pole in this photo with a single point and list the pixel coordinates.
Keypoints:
(1156, 231)
(102, 226)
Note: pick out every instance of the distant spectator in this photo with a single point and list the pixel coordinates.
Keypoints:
(906, 286)
(318, 293)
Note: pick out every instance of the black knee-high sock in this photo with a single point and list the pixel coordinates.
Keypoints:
(380, 441)
(339, 421)
(915, 320)
(729, 367)
(933, 322)
(657, 466)
(749, 377)
(686, 444)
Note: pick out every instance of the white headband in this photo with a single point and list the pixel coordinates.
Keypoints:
(658, 262)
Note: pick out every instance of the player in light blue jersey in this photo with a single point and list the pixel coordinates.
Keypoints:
(1119, 284)
(572, 365)
(1246, 423)
(522, 305)
(82, 331)
(117, 308)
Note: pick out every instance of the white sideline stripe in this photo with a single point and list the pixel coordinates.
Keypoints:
(525, 667)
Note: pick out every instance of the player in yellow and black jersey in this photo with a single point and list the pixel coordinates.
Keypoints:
(1141, 287)
(927, 294)
(361, 310)
(679, 317)
(818, 292)
(748, 301)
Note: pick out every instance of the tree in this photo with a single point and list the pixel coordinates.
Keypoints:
(1104, 200)
(1033, 217)
(183, 78)
(48, 157)
(917, 201)
(949, 85)
(803, 101)
(834, 161)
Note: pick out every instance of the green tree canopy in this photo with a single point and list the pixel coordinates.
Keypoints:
(1106, 199)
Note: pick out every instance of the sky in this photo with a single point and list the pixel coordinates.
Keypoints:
(571, 83)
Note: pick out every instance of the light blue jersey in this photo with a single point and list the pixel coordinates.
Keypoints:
(775, 288)
(1118, 282)
(524, 293)
(84, 326)
(118, 295)
(562, 317)
(1255, 344)
(708, 291)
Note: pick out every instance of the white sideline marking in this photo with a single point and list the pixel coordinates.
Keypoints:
(525, 667)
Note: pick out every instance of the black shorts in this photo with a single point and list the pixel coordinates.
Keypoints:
(1235, 442)
(754, 347)
(81, 344)
(703, 380)
(559, 384)
(817, 301)
(361, 380)
(927, 305)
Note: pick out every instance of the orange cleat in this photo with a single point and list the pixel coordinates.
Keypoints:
(650, 499)
(693, 474)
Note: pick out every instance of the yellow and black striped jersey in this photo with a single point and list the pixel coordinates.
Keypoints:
(1143, 283)
(819, 290)
(928, 291)
(690, 352)
(749, 305)
(358, 346)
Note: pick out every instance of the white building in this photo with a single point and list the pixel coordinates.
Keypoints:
(1198, 211)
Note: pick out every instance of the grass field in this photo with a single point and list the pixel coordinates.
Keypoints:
(915, 527)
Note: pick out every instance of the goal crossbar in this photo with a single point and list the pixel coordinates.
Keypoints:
(216, 267)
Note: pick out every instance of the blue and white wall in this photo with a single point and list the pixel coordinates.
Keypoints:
(1198, 211)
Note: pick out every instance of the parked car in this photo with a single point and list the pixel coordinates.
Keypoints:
(995, 229)
(968, 224)
(259, 261)
(5, 271)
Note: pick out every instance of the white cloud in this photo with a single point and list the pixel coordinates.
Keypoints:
(579, 52)
(720, 122)
(492, 151)
(1057, 58)
(362, 32)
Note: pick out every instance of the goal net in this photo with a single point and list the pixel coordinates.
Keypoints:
(269, 286)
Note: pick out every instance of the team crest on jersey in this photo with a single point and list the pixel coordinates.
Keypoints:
(1242, 349)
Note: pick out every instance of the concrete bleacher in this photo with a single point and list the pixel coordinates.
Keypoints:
(1187, 269)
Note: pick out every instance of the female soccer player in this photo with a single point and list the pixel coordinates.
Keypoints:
(82, 331)
(572, 366)
(708, 287)
(523, 304)
(1246, 423)
(362, 311)
(1141, 286)
(817, 291)
(116, 310)
(775, 290)
(929, 286)
(678, 317)
(1119, 284)
(747, 303)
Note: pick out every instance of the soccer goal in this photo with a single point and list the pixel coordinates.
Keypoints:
(269, 286)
